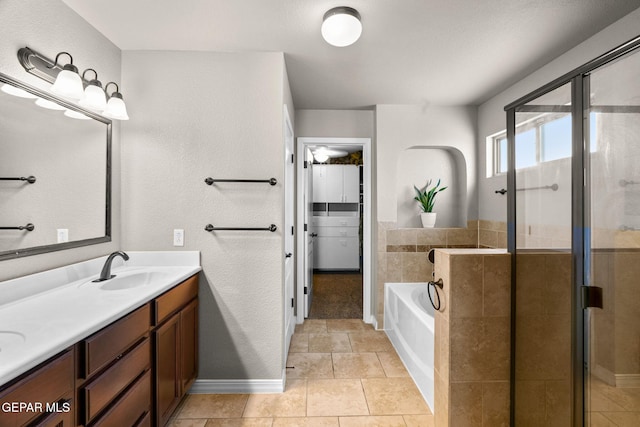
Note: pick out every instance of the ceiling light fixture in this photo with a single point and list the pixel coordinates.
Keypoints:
(68, 82)
(341, 26)
(322, 153)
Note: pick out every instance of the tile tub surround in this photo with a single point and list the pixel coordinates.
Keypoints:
(56, 308)
(543, 338)
(402, 254)
(344, 374)
(472, 352)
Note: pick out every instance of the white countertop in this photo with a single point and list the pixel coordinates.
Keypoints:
(45, 313)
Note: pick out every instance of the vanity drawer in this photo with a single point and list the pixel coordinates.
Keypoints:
(50, 383)
(109, 384)
(131, 407)
(176, 298)
(106, 345)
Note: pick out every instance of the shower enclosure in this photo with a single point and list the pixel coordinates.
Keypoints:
(574, 230)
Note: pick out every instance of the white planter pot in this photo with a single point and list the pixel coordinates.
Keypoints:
(428, 219)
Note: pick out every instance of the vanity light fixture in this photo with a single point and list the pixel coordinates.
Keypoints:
(86, 93)
(68, 82)
(94, 97)
(341, 26)
(116, 109)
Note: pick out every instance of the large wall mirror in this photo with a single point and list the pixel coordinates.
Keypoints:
(55, 173)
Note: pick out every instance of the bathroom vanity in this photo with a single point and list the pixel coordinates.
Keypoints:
(119, 352)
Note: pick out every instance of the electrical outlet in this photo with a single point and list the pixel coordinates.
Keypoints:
(63, 235)
(178, 237)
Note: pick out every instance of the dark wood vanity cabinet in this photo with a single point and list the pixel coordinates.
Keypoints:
(48, 388)
(133, 372)
(176, 347)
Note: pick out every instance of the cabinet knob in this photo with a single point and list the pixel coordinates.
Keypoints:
(288, 255)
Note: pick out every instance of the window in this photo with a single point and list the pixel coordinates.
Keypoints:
(543, 139)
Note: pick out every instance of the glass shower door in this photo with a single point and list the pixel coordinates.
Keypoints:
(612, 255)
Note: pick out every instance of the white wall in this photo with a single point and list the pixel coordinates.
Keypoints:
(335, 123)
(400, 127)
(201, 114)
(49, 27)
(492, 117)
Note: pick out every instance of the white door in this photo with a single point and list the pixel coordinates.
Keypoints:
(310, 233)
(289, 283)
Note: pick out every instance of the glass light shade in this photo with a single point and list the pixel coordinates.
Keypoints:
(94, 98)
(45, 103)
(116, 109)
(321, 157)
(75, 115)
(16, 91)
(341, 26)
(68, 84)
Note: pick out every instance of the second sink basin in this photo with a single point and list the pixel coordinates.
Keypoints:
(10, 338)
(131, 280)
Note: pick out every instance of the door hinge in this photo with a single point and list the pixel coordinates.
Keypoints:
(292, 232)
(291, 302)
(305, 227)
(292, 158)
(306, 290)
(591, 297)
(305, 164)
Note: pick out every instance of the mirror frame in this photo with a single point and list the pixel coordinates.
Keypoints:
(35, 250)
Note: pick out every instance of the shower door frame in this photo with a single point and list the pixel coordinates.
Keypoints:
(579, 79)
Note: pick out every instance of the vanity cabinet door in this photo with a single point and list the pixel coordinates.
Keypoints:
(167, 368)
(50, 383)
(189, 345)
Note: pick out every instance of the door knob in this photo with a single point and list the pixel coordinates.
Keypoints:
(288, 255)
(314, 234)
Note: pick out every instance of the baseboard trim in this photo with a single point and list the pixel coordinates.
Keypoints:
(237, 386)
(616, 380)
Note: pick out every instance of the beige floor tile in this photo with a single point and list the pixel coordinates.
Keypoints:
(310, 365)
(373, 421)
(213, 406)
(329, 343)
(368, 341)
(392, 365)
(347, 325)
(291, 403)
(299, 343)
(419, 420)
(394, 396)
(187, 423)
(315, 326)
(240, 422)
(623, 419)
(306, 422)
(357, 365)
(596, 419)
(336, 397)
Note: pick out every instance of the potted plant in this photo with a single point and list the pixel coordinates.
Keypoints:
(426, 196)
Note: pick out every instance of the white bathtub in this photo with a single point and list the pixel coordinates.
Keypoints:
(409, 324)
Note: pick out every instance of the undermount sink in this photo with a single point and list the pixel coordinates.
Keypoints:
(132, 280)
(11, 338)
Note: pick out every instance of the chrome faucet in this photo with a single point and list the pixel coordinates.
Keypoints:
(105, 274)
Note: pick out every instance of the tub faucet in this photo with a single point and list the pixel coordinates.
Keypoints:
(105, 274)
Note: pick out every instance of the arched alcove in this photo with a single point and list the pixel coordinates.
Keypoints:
(416, 165)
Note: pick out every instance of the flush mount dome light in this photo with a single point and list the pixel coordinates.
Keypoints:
(341, 26)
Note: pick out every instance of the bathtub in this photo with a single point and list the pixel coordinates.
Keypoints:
(409, 324)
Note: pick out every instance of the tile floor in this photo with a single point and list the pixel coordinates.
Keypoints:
(343, 374)
(613, 407)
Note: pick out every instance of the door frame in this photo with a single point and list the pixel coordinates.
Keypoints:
(289, 213)
(367, 224)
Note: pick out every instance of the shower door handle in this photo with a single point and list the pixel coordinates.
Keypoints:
(591, 297)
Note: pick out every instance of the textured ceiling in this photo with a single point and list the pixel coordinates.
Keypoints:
(444, 52)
